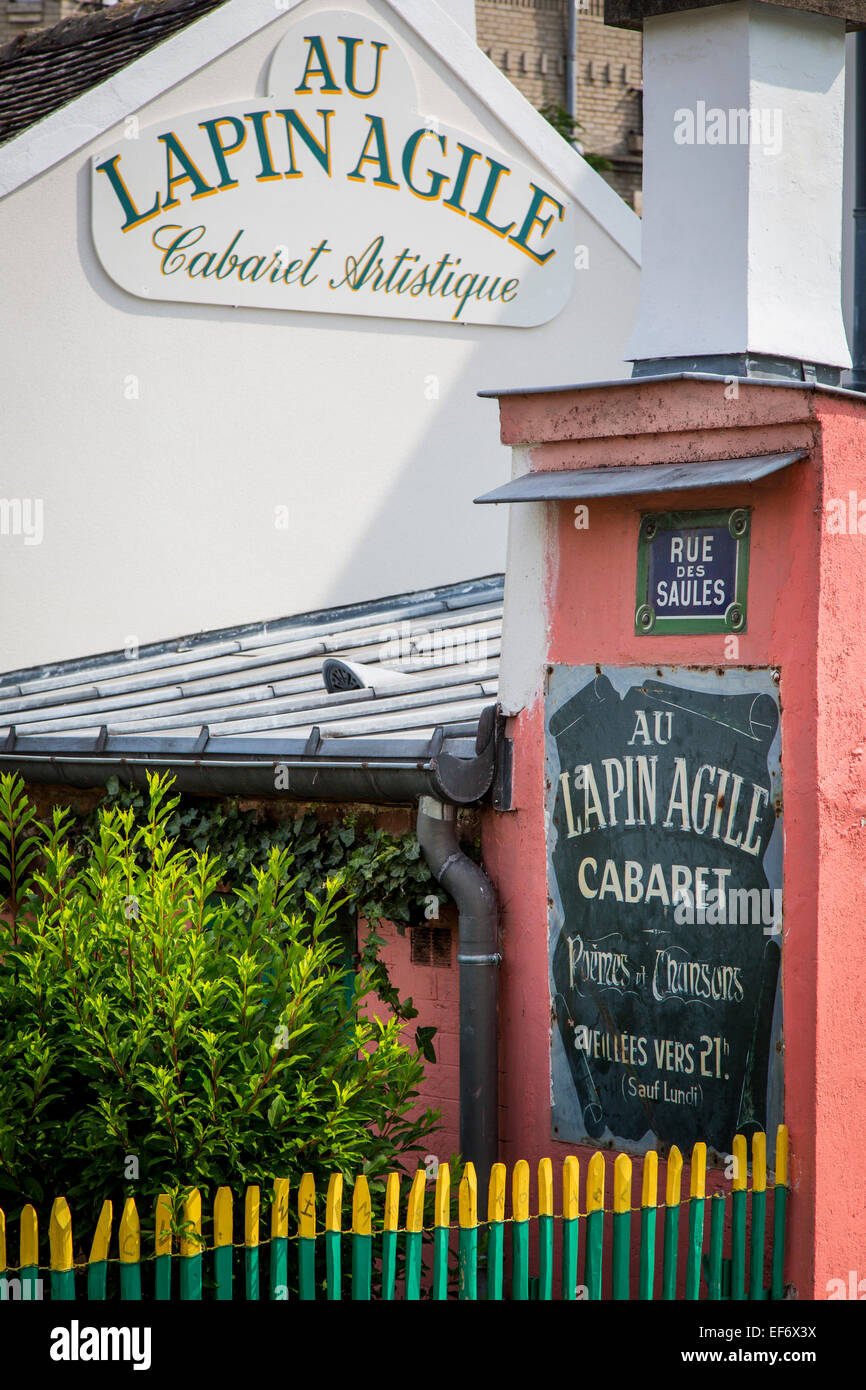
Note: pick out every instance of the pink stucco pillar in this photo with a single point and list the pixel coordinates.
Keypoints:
(573, 602)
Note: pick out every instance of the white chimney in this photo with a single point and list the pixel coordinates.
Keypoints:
(742, 194)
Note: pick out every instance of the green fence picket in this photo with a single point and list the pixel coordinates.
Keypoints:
(441, 1232)
(223, 1224)
(467, 1255)
(191, 1249)
(252, 1208)
(162, 1249)
(621, 1227)
(759, 1215)
(333, 1237)
(97, 1265)
(389, 1237)
(594, 1226)
(545, 1230)
(307, 1238)
(738, 1219)
(279, 1262)
(495, 1231)
(520, 1231)
(333, 1266)
(649, 1197)
(570, 1226)
(780, 1201)
(672, 1223)
(697, 1195)
(130, 1253)
(717, 1236)
(60, 1244)
(415, 1236)
(362, 1241)
(28, 1261)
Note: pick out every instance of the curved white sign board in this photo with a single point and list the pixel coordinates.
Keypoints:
(335, 194)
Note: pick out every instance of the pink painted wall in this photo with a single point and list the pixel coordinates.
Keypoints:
(434, 991)
(807, 601)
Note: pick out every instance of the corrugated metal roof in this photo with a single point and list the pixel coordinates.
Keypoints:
(428, 660)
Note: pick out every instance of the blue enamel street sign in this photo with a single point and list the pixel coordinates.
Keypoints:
(692, 572)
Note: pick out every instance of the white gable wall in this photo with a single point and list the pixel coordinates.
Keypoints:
(162, 439)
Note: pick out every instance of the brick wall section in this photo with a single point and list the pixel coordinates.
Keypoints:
(435, 993)
(527, 40)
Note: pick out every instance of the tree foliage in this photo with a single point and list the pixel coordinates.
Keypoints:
(569, 128)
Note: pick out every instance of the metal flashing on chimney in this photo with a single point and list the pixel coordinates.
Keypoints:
(744, 366)
(555, 484)
(658, 377)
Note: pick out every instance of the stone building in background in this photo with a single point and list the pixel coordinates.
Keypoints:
(527, 40)
(22, 16)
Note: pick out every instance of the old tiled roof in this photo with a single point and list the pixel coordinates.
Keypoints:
(41, 72)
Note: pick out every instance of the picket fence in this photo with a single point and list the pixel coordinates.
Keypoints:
(736, 1277)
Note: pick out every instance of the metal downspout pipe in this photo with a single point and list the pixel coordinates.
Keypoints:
(571, 61)
(478, 957)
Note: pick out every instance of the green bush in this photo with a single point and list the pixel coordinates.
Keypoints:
(384, 876)
(157, 1034)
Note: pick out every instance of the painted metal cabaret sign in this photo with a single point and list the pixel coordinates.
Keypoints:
(664, 839)
(334, 194)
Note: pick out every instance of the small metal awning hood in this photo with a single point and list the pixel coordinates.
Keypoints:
(580, 483)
